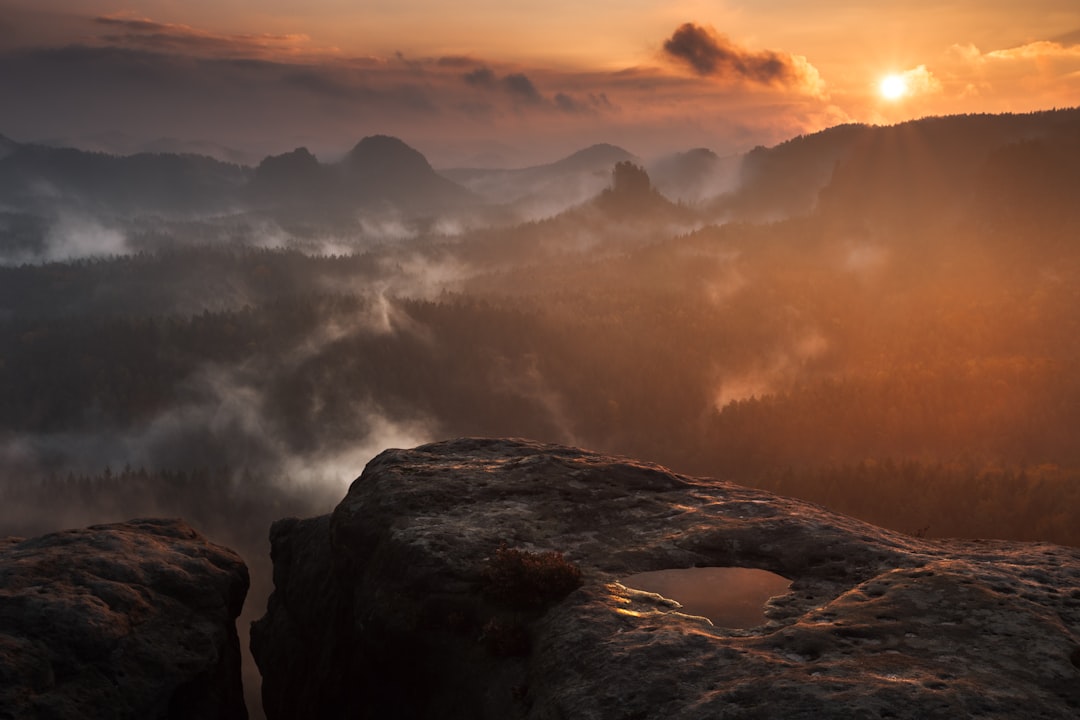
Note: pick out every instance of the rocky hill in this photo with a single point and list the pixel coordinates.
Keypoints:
(127, 621)
(550, 188)
(695, 175)
(481, 579)
(383, 169)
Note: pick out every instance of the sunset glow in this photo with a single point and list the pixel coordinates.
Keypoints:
(513, 84)
(652, 290)
(892, 87)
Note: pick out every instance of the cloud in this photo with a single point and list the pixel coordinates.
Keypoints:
(265, 94)
(456, 61)
(515, 85)
(920, 81)
(772, 374)
(588, 104)
(522, 88)
(74, 237)
(480, 77)
(568, 104)
(1036, 75)
(1036, 51)
(712, 54)
(143, 33)
(522, 91)
(1069, 38)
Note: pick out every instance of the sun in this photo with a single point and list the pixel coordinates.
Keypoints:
(893, 87)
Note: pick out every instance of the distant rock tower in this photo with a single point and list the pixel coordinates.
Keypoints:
(630, 181)
(631, 193)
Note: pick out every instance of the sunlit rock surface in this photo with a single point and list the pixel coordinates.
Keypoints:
(133, 620)
(380, 609)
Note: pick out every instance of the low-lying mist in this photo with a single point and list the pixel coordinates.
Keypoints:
(904, 358)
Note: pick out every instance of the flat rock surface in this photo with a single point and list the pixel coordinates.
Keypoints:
(400, 617)
(130, 620)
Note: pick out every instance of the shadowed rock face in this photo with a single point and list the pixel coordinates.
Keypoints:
(133, 620)
(381, 610)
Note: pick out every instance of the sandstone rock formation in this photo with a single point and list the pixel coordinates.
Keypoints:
(385, 608)
(133, 620)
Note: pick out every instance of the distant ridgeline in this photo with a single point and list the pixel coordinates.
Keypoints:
(932, 163)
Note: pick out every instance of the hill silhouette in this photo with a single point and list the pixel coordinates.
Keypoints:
(379, 172)
(905, 173)
(294, 185)
(550, 188)
(694, 175)
(590, 159)
(926, 170)
(856, 176)
(384, 170)
(141, 183)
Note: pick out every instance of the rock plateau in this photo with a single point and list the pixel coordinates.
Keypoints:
(386, 607)
(134, 621)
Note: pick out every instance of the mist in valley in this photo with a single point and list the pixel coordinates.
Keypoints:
(879, 319)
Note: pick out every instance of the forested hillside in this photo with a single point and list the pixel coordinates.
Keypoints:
(895, 336)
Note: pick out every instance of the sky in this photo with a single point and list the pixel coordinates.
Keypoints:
(511, 83)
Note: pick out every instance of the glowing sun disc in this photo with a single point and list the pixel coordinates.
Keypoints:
(892, 87)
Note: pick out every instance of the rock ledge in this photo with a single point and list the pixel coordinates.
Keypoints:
(132, 620)
(380, 609)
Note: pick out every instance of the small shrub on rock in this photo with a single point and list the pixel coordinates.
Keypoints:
(526, 580)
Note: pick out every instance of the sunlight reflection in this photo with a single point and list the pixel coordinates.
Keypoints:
(732, 597)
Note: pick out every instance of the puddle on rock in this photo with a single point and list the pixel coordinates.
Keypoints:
(732, 597)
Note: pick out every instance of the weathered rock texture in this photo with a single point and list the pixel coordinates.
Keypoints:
(133, 620)
(380, 610)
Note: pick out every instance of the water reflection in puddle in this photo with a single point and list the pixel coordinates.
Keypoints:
(731, 597)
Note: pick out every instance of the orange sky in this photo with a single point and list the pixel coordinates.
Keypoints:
(486, 82)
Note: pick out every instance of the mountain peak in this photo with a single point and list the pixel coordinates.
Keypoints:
(379, 153)
(598, 156)
(381, 168)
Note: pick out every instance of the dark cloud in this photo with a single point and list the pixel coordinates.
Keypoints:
(1069, 38)
(456, 61)
(418, 67)
(517, 85)
(569, 105)
(325, 83)
(600, 100)
(591, 103)
(147, 79)
(132, 24)
(710, 53)
(136, 91)
(165, 37)
(480, 77)
(521, 88)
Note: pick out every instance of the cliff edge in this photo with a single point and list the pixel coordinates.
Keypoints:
(133, 620)
(407, 602)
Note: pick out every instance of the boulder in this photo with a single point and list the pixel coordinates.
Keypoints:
(424, 595)
(131, 620)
